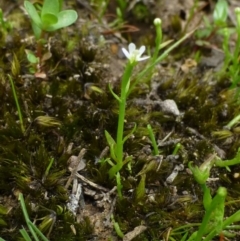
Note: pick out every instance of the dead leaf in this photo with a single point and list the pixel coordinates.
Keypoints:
(188, 64)
(136, 231)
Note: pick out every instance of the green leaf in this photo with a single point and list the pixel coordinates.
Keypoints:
(207, 198)
(25, 234)
(60, 4)
(65, 18)
(50, 7)
(114, 170)
(49, 19)
(220, 13)
(3, 210)
(2, 222)
(31, 57)
(114, 95)
(184, 238)
(200, 176)
(112, 145)
(117, 227)
(36, 30)
(130, 134)
(140, 190)
(31, 10)
(119, 185)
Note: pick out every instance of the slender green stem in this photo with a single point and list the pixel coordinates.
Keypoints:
(17, 103)
(122, 106)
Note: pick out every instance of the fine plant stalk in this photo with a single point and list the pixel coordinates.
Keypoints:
(17, 104)
(121, 115)
(116, 149)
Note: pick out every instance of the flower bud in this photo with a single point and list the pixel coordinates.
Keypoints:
(157, 21)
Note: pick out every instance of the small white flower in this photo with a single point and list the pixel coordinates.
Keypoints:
(133, 54)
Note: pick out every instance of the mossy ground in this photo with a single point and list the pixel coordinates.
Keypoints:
(80, 60)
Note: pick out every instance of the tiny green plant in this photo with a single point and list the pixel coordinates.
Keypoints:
(213, 222)
(133, 55)
(116, 148)
(230, 68)
(219, 23)
(50, 17)
(46, 18)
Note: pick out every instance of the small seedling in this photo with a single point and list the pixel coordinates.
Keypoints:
(49, 17)
(219, 23)
(133, 55)
(213, 223)
(46, 18)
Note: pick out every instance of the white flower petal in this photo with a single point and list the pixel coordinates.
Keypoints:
(143, 58)
(126, 53)
(141, 50)
(131, 48)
